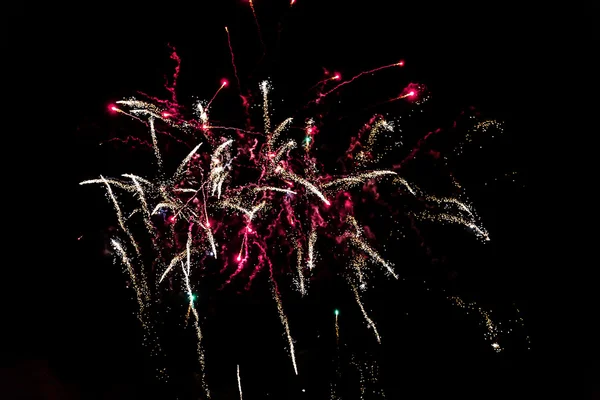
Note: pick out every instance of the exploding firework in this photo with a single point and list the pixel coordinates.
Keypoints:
(244, 203)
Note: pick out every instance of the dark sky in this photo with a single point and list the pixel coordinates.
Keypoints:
(75, 336)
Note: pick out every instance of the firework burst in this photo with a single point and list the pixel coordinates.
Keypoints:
(244, 203)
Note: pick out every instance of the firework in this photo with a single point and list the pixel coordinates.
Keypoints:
(243, 198)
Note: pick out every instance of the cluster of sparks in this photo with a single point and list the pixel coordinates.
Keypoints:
(250, 198)
(290, 202)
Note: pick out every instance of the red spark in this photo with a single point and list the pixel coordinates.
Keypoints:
(224, 82)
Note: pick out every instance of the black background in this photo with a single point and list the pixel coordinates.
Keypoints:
(76, 337)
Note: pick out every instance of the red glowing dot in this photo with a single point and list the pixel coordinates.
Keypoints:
(327, 202)
(337, 76)
(113, 108)
(171, 218)
(401, 63)
(166, 115)
(207, 223)
(249, 229)
(239, 258)
(224, 82)
(411, 93)
(204, 126)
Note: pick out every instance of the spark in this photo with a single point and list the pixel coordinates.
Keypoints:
(239, 381)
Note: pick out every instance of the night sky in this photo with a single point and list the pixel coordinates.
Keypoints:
(76, 336)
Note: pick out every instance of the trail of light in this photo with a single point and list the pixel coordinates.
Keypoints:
(119, 249)
(185, 161)
(239, 381)
(200, 351)
(264, 88)
(358, 178)
(335, 77)
(257, 26)
(155, 144)
(119, 184)
(174, 56)
(274, 189)
(312, 239)
(371, 71)
(492, 329)
(142, 199)
(121, 222)
(284, 322)
(223, 84)
(361, 244)
(273, 137)
(277, 297)
(337, 330)
(370, 322)
(235, 72)
(445, 217)
(302, 181)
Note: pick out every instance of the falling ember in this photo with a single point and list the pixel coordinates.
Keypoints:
(337, 327)
(239, 381)
(370, 322)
